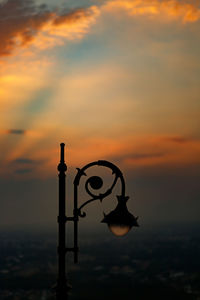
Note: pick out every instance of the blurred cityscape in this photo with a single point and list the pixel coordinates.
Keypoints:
(152, 263)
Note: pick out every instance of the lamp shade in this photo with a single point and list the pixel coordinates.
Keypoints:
(119, 220)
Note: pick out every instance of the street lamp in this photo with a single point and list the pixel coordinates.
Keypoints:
(119, 221)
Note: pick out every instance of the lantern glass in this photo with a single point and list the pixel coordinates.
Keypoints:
(119, 230)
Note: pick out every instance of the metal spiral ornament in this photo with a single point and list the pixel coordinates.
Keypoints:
(96, 182)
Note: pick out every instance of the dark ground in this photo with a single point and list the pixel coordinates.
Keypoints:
(152, 263)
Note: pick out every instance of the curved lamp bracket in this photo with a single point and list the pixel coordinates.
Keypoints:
(96, 182)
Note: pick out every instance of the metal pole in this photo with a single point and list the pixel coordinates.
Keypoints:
(75, 224)
(61, 293)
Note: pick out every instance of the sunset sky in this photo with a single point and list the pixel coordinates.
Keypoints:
(113, 79)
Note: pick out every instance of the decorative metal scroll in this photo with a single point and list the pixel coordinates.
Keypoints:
(96, 183)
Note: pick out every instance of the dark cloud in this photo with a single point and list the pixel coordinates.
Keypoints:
(137, 156)
(24, 171)
(22, 20)
(25, 165)
(178, 139)
(25, 161)
(19, 19)
(16, 131)
(70, 17)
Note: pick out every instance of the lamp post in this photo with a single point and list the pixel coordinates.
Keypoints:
(119, 221)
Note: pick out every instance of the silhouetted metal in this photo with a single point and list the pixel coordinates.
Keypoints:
(61, 283)
(120, 216)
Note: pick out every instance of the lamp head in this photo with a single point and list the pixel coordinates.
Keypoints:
(119, 220)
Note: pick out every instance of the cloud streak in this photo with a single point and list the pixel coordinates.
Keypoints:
(139, 151)
(139, 156)
(178, 139)
(23, 171)
(25, 161)
(16, 131)
(167, 9)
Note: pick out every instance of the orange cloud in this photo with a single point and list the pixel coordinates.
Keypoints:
(170, 9)
(23, 24)
(66, 27)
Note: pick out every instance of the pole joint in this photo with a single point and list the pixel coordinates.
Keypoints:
(61, 219)
(69, 219)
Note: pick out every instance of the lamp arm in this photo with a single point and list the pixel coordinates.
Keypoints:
(77, 211)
